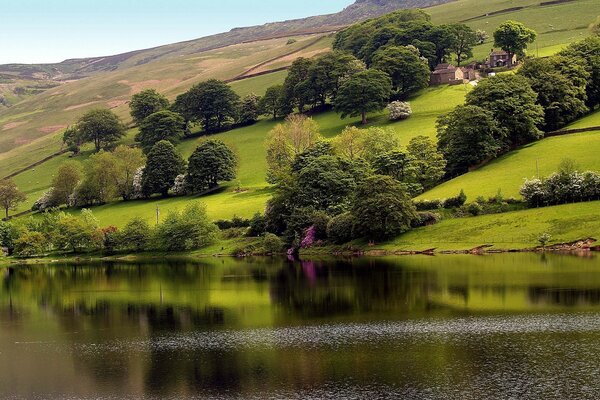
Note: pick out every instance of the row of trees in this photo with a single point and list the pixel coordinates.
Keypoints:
(506, 111)
(129, 174)
(187, 229)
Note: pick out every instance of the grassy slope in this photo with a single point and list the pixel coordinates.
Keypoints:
(513, 230)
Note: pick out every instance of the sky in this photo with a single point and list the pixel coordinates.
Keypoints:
(48, 31)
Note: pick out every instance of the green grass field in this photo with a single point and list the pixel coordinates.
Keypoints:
(590, 120)
(507, 173)
(512, 230)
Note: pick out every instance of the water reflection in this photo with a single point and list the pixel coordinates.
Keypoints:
(414, 327)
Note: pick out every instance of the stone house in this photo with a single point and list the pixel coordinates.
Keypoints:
(500, 58)
(445, 74)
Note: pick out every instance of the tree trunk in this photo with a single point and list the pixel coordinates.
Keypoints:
(6, 211)
(364, 117)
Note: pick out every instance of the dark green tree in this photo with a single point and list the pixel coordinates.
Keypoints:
(513, 37)
(408, 71)
(512, 102)
(364, 92)
(588, 50)
(161, 125)
(272, 102)
(295, 93)
(381, 208)
(163, 165)
(468, 136)
(101, 127)
(465, 38)
(145, 103)
(212, 162)
(73, 139)
(249, 110)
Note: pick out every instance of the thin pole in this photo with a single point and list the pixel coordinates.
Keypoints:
(157, 214)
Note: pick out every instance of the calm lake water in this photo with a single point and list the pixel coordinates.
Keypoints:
(445, 327)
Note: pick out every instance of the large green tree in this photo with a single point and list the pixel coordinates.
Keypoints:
(426, 161)
(381, 208)
(10, 196)
(404, 65)
(465, 38)
(513, 103)
(513, 37)
(249, 109)
(161, 125)
(65, 181)
(467, 136)
(145, 103)
(588, 50)
(295, 93)
(101, 127)
(272, 103)
(364, 92)
(212, 162)
(162, 167)
(560, 84)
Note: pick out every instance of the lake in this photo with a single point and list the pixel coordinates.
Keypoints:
(418, 327)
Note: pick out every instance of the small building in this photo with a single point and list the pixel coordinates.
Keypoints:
(500, 58)
(469, 73)
(445, 74)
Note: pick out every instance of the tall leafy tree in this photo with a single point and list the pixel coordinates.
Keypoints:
(512, 102)
(426, 161)
(381, 208)
(409, 72)
(294, 92)
(588, 50)
(162, 167)
(101, 127)
(72, 139)
(65, 181)
(249, 109)
(467, 136)
(364, 92)
(127, 161)
(10, 196)
(272, 103)
(465, 38)
(212, 162)
(145, 103)
(513, 37)
(161, 125)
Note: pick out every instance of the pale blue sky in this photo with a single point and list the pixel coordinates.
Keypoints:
(36, 31)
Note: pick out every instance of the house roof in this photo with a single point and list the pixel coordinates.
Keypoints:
(499, 53)
(444, 66)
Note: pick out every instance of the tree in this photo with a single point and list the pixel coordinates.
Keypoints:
(162, 167)
(146, 103)
(30, 244)
(77, 233)
(350, 143)
(272, 102)
(594, 27)
(426, 161)
(101, 127)
(286, 141)
(73, 139)
(588, 51)
(188, 229)
(513, 37)
(404, 65)
(379, 141)
(294, 94)
(482, 36)
(560, 84)
(136, 234)
(98, 185)
(512, 102)
(65, 181)
(213, 103)
(381, 208)
(465, 38)
(467, 136)
(10, 196)
(367, 91)
(212, 162)
(394, 163)
(127, 161)
(161, 125)
(444, 39)
(249, 109)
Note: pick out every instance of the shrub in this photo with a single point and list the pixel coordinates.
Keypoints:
(475, 209)
(235, 222)
(186, 230)
(455, 202)
(110, 238)
(45, 202)
(136, 234)
(258, 225)
(272, 244)
(179, 187)
(340, 228)
(30, 244)
(426, 218)
(425, 205)
(399, 110)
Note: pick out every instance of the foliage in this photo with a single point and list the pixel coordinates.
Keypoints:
(566, 186)
(212, 162)
(146, 103)
(426, 218)
(249, 109)
(513, 37)
(364, 92)
(350, 143)
(272, 103)
(378, 141)
(512, 102)
(544, 239)
(45, 202)
(340, 228)
(258, 225)
(294, 92)
(455, 202)
(162, 167)
(98, 185)
(588, 51)
(467, 136)
(408, 71)
(188, 229)
(465, 38)
(64, 183)
(180, 185)
(77, 233)
(425, 205)
(319, 149)
(10, 195)
(427, 163)
(272, 244)
(127, 161)
(102, 127)
(136, 234)
(30, 244)
(161, 125)
(8, 234)
(73, 139)
(399, 110)
(381, 208)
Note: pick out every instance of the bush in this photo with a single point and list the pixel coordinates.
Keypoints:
(235, 222)
(258, 225)
(426, 218)
(111, 238)
(340, 228)
(136, 234)
(475, 209)
(455, 202)
(232, 233)
(186, 230)
(179, 187)
(562, 187)
(30, 244)
(272, 244)
(45, 202)
(425, 205)
(399, 110)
